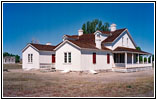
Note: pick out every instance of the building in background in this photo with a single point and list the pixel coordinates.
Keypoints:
(9, 60)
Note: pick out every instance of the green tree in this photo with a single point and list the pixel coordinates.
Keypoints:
(138, 48)
(150, 58)
(140, 57)
(91, 27)
(6, 54)
(17, 58)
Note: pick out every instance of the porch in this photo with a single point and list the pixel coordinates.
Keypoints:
(131, 58)
(47, 66)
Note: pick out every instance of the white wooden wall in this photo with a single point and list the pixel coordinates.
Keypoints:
(118, 42)
(46, 56)
(101, 60)
(35, 63)
(75, 58)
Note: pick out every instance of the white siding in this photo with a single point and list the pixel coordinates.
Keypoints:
(45, 57)
(118, 42)
(75, 58)
(101, 60)
(35, 63)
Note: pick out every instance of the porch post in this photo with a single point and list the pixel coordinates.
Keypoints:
(143, 59)
(147, 59)
(125, 59)
(132, 58)
(138, 59)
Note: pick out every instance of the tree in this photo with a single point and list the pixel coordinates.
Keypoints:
(150, 58)
(6, 54)
(140, 57)
(138, 48)
(91, 27)
(17, 58)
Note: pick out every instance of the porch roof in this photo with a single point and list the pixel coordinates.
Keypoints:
(124, 49)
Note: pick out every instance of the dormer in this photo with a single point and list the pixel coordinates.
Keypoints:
(99, 37)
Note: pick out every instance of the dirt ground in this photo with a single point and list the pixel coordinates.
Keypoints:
(19, 83)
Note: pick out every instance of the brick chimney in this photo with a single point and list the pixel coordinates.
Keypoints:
(80, 32)
(113, 27)
(48, 43)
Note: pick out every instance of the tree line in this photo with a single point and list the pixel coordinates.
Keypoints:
(92, 26)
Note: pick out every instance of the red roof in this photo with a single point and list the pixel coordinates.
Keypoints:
(72, 36)
(85, 41)
(105, 32)
(43, 47)
(129, 50)
(114, 35)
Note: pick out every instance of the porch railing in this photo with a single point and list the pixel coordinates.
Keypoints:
(138, 65)
(119, 64)
(47, 65)
(132, 65)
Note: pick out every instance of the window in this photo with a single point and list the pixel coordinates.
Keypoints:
(67, 57)
(98, 35)
(108, 58)
(30, 57)
(94, 58)
(53, 58)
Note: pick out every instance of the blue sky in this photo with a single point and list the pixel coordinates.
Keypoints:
(48, 22)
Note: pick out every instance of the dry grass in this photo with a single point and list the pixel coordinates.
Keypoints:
(12, 66)
(54, 84)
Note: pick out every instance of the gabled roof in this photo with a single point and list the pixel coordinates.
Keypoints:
(83, 45)
(114, 35)
(72, 36)
(43, 47)
(105, 32)
(130, 50)
(88, 37)
(88, 40)
(40, 47)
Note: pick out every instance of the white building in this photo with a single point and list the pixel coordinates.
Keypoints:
(37, 56)
(96, 51)
(9, 60)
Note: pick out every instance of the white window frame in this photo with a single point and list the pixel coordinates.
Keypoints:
(30, 58)
(67, 60)
(65, 57)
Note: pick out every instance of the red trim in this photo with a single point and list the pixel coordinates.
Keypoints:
(53, 58)
(94, 58)
(108, 58)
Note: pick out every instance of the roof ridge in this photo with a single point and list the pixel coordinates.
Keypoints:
(41, 44)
